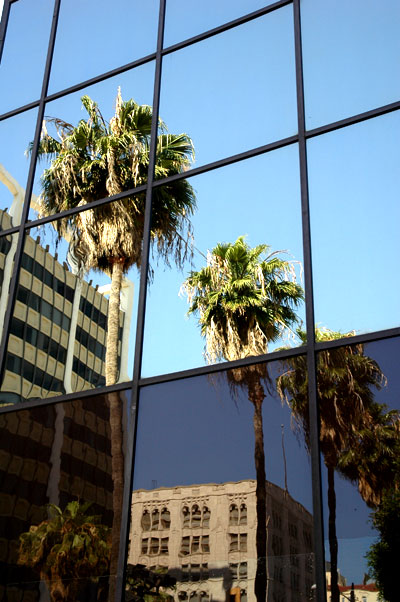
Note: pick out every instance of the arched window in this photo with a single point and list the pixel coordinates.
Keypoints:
(155, 520)
(243, 595)
(165, 518)
(204, 597)
(195, 597)
(206, 517)
(146, 521)
(182, 596)
(196, 516)
(243, 515)
(185, 517)
(233, 515)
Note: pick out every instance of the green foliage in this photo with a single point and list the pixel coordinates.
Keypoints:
(383, 555)
(69, 546)
(144, 585)
(96, 159)
(245, 298)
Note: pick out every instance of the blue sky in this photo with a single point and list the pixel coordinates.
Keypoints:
(231, 93)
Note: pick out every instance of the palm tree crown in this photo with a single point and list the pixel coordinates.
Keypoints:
(245, 297)
(96, 159)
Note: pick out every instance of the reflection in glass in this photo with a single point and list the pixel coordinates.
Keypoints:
(187, 18)
(123, 34)
(59, 329)
(61, 479)
(199, 465)
(354, 182)
(24, 55)
(15, 136)
(241, 93)
(230, 203)
(348, 56)
(360, 444)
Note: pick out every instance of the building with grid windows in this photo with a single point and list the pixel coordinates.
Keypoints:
(205, 536)
(278, 124)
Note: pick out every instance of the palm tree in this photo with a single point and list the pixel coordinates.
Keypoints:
(246, 298)
(93, 160)
(346, 378)
(68, 547)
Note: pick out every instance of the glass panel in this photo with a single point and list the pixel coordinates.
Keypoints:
(59, 341)
(354, 184)
(54, 459)
(195, 447)
(187, 18)
(360, 417)
(241, 93)
(16, 134)
(122, 35)
(25, 50)
(349, 51)
(82, 168)
(230, 203)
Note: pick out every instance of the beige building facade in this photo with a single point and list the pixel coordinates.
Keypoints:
(205, 536)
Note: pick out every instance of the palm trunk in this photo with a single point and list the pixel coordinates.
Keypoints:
(256, 396)
(117, 459)
(333, 543)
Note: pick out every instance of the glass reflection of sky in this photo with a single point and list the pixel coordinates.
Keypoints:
(194, 431)
(232, 201)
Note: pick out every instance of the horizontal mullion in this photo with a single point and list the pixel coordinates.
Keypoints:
(380, 335)
(93, 205)
(226, 26)
(342, 123)
(31, 105)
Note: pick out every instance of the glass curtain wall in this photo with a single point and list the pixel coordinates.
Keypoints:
(199, 304)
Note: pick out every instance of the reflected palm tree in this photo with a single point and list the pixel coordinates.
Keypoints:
(91, 161)
(349, 417)
(68, 549)
(246, 298)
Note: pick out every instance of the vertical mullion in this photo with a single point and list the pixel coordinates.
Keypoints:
(28, 193)
(130, 453)
(3, 25)
(310, 325)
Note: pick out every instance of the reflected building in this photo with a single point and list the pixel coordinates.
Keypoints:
(58, 331)
(205, 535)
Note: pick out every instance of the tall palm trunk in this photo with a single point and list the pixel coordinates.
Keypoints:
(117, 459)
(333, 543)
(256, 396)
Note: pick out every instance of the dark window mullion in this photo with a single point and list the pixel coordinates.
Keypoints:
(319, 554)
(28, 193)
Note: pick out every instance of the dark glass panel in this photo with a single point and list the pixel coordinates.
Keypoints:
(195, 448)
(349, 52)
(258, 198)
(234, 91)
(354, 184)
(61, 458)
(86, 172)
(25, 50)
(106, 37)
(187, 18)
(360, 416)
(16, 134)
(59, 330)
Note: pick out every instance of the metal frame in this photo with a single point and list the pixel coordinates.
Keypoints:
(310, 350)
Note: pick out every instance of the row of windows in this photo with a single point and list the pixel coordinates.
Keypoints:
(44, 308)
(88, 374)
(33, 374)
(155, 545)
(156, 520)
(85, 339)
(196, 517)
(37, 269)
(194, 596)
(238, 515)
(195, 572)
(93, 313)
(194, 544)
(38, 339)
(238, 570)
